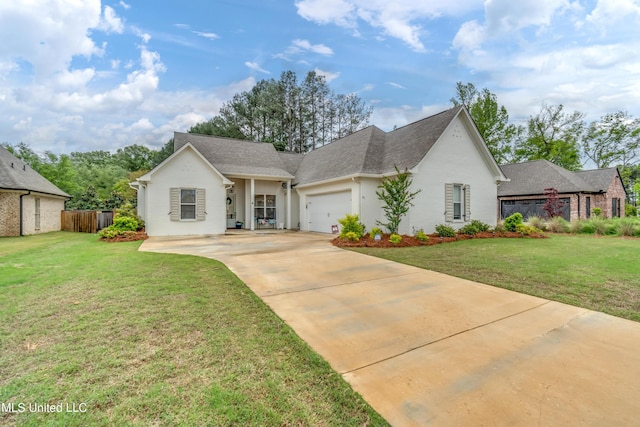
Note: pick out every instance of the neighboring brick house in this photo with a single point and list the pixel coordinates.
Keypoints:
(29, 203)
(581, 191)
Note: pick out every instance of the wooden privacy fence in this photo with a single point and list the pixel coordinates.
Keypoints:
(86, 221)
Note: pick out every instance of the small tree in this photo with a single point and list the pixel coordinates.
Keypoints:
(553, 206)
(394, 192)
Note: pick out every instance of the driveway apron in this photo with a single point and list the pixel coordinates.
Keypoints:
(424, 348)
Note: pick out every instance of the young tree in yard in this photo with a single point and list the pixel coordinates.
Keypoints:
(553, 206)
(394, 193)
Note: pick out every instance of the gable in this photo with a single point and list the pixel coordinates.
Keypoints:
(183, 162)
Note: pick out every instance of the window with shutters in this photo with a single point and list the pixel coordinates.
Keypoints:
(457, 202)
(187, 204)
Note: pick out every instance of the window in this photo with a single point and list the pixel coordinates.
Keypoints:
(37, 214)
(615, 207)
(588, 206)
(265, 207)
(457, 202)
(188, 203)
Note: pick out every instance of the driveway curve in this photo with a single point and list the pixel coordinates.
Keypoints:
(424, 348)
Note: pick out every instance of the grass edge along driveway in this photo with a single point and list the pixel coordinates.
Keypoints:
(151, 339)
(597, 273)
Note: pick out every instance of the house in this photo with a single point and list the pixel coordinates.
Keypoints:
(210, 183)
(581, 191)
(29, 203)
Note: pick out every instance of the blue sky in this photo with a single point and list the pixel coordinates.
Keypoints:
(81, 75)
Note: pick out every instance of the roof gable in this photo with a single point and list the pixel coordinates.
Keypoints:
(17, 175)
(236, 157)
(600, 179)
(186, 147)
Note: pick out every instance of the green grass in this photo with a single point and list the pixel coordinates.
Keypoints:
(598, 273)
(152, 339)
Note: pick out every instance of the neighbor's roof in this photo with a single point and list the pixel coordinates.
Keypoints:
(17, 175)
(600, 179)
(236, 157)
(531, 178)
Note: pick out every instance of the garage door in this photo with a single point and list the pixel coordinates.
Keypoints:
(326, 209)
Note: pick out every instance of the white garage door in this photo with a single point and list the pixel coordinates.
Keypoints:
(326, 209)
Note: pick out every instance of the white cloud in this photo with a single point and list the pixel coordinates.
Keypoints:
(305, 45)
(256, 67)
(124, 5)
(210, 36)
(608, 14)
(396, 19)
(396, 85)
(328, 76)
(110, 22)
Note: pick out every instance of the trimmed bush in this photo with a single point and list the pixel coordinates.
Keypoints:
(395, 238)
(374, 231)
(512, 221)
(351, 223)
(422, 236)
(445, 231)
(596, 212)
(124, 223)
(526, 229)
(351, 235)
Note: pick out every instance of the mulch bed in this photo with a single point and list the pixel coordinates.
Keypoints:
(434, 239)
(138, 235)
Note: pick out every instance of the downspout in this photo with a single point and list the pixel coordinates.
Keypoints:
(21, 212)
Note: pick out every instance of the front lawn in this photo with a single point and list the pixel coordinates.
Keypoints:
(599, 273)
(131, 338)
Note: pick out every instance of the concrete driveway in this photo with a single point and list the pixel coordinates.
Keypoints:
(424, 348)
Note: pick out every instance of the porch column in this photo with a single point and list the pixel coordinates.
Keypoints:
(252, 198)
(289, 205)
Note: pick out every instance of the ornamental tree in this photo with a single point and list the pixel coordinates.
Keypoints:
(394, 193)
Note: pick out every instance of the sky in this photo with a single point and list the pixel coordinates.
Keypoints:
(83, 75)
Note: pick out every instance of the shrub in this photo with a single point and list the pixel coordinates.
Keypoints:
(526, 229)
(422, 236)
(124, 223)
(445, 231)
(351, 235)
(557, 224)
(597, 212)
(537, 222)
(374, 231)
(128, 210)
(630, 210)
(351, 223)
(109, 233)
(474, 227)
(395, 238)
(512, 221)
(499, 228)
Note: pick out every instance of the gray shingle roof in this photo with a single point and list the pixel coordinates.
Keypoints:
(368, 151)
(599, 179)
(531, 178)
(236, 157)
(17, 175)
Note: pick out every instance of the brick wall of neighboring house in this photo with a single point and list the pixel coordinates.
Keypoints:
(50, 216)
(9, 214)
(615, 190)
